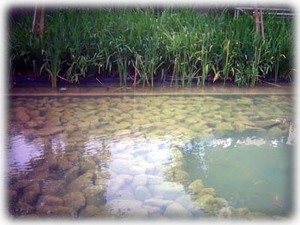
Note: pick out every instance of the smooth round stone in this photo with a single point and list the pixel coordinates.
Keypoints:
(23, 208)
(186, 202)
(115, 184)
(50, 200)
(152, 179)
(140, 179)
(61, 211)
(29, 197)
(124, 194)
(170, 190)
(22, 116)
(120, 166)
(127, 178)
(176, 210)
(94, 194)
(49, 130)
(137, 169)
(74, 200)
(142, 193)
(153, 211)
(157, 202)
(124, 206)
(81, 182)
(89, 211)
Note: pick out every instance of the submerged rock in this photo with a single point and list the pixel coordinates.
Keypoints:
(22, 115)
(142, 193)
(176, 210)
(34, 124)
(81, 182)
(207, 191)
(49, 200)
(89, 211)
(275, 132)
(34, 186)
(196, 186)
(54, 187)
(169, 190)
(244, 101)
(224, 127)
(140, 179)
(22, 208)
(125, 207)
(61, 211)
(72, 174)
(29, 197)
(75, 200)
(95, 194)
(46, 131)
(267, 123)
(158, 202)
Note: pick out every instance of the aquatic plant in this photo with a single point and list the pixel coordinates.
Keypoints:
(141, 45)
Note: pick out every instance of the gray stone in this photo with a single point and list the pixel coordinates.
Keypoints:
(142, 193)
(124, 194)
(123, 206)
(140, 179)
(120, 166)
(152, 179)
(153, 211)
(157, 202)
(115, 184)
(176, 210)
(127, 178)
(170, 190)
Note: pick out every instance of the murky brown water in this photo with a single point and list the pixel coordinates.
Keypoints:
(139, 157)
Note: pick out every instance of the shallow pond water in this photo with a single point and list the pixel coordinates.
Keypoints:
(151, 156)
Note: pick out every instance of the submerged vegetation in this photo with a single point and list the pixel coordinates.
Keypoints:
(141, 46)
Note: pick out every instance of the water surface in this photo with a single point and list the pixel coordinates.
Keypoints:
(150, 157)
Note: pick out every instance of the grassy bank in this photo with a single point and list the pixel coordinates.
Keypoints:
(140, 46)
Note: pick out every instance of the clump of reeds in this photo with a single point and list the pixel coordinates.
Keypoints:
(142, 45)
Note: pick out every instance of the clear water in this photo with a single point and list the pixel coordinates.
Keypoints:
(144, 157)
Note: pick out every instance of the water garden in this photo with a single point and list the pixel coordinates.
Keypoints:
(178, 151)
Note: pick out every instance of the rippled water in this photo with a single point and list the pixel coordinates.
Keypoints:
(151, 156)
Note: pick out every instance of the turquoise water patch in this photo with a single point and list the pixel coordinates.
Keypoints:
(251, 172)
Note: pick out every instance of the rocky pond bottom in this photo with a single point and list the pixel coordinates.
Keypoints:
(144, 157)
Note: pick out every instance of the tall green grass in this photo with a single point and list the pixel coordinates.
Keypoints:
(144, 45)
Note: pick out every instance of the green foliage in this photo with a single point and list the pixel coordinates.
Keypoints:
(181, 45)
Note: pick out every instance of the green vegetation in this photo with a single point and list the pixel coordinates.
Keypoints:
(143, 45)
